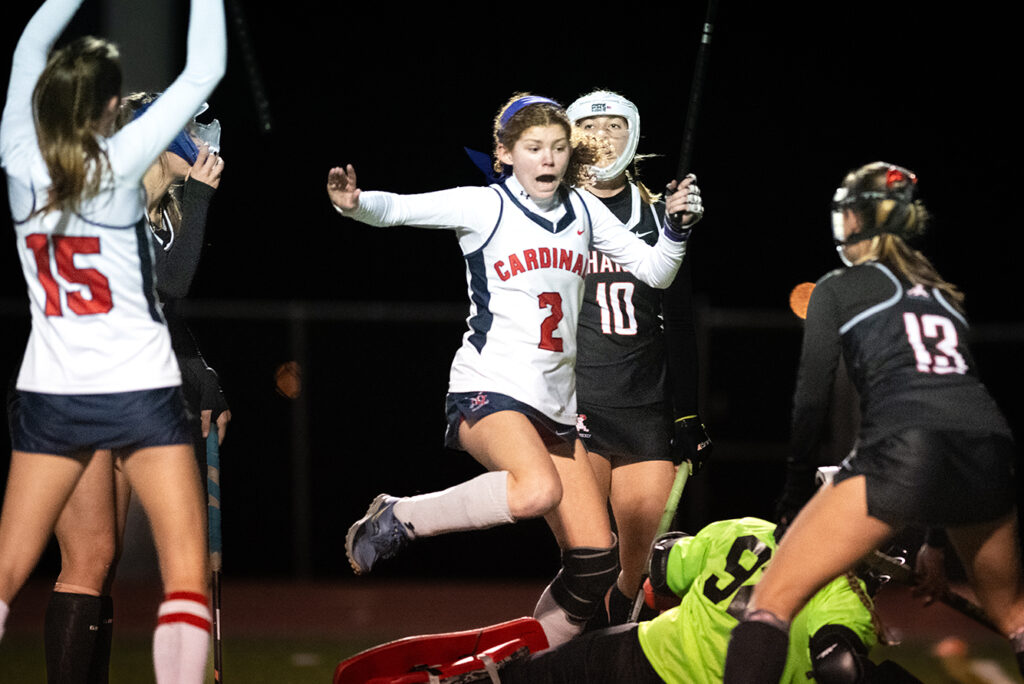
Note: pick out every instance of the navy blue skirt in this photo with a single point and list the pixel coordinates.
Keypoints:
(473, 406)
(69, 424)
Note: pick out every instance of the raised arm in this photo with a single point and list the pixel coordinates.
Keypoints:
(29, 60)
(136, 145)
(656, 266)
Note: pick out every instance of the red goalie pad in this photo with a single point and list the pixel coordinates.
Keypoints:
(442, 657)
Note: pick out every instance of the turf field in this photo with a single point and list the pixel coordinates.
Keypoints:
(290, 633)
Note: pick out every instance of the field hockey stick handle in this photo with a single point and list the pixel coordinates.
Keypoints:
(213, 497)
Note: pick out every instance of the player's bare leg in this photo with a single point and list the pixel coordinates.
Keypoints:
(37, 487)
(590, 557)
(176, 516)
(581, 517)
(992, 560)
(800, 566)
(87, 530)
(507, 441)
(638, 495)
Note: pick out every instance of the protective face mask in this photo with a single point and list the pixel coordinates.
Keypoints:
(207, 133)
(838, 236)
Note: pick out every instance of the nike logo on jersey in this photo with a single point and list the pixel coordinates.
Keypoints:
(599, 263)
(640, 235)
(541, 257)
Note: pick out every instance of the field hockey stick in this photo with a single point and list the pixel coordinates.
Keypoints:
(213, 519)
(667, 516)
(700, 70)
(252, 72)
(898, 570)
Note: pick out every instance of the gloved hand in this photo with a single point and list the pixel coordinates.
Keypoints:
(690, 442)
(683, 204)
(659, 561)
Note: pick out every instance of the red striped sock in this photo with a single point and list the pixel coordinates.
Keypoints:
(182, 639)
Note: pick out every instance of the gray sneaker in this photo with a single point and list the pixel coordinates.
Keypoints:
(378, 534)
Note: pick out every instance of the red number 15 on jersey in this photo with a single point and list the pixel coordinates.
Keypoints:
(65, 247)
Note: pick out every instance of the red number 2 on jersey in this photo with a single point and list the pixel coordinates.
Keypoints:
(548, 341)
(65, 248)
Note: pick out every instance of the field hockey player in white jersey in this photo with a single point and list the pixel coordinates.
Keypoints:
(511, 401)
(98, 372)
(79, 624)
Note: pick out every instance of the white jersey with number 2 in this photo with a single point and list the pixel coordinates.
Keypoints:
(525, 265)
(96, 325)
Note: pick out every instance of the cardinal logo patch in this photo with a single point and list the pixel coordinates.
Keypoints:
(581, 425)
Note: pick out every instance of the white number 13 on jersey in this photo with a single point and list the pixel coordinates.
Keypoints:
(940, 333)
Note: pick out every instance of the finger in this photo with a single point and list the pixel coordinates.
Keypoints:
(222, 425)
(204, 421)
(336, 177)
(204, 154)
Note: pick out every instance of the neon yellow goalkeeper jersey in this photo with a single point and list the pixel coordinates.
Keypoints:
(715, 572)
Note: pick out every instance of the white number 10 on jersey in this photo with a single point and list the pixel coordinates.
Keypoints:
(616, 302)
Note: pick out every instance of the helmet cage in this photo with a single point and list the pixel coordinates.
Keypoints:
(607, 103)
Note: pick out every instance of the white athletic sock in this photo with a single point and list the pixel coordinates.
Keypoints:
(182, 639)
(4, 610)
(474, 505)
(558, 628)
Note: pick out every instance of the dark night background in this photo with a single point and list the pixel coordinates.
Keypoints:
(796, 96)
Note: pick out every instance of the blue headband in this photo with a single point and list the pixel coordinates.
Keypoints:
(525, 101)
(182, 145)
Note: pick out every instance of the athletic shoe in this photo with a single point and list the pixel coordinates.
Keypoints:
(378, 534)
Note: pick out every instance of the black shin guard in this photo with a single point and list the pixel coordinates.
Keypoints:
(584, 579)
(99, 668)
(71, 626)
(756, 653)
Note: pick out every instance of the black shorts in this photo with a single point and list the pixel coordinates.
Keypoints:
(628, 434)
(472, 406)
(933, 478)
(69, 424)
